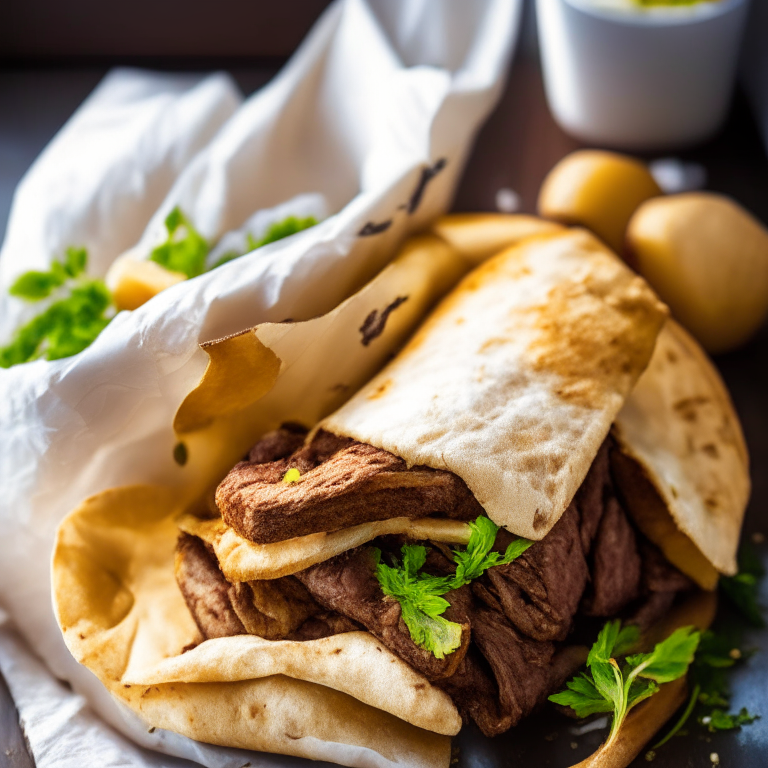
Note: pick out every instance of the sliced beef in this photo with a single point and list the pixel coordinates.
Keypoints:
(347, 584)
(473, 690)
(278, 444)
(659, 575)
(539, 592)
(205, 589)
(279, 609)
(513, 619)
(343, 483)
(661, 583)
(616, 565)
(592, 494)
(521, 672)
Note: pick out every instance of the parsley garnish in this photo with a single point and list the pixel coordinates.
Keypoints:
(277, 231)
(69, 324)
(185, 249)
(280, 229)
(608, 686)
(717, 720)
(716, 654)
(420, 594)
(743, 588)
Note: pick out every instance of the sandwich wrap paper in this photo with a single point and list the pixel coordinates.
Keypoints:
(375, 112)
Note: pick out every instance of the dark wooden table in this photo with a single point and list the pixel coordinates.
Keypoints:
(515, 149)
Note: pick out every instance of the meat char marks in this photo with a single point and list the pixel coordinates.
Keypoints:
(343, 483)
(516, 619)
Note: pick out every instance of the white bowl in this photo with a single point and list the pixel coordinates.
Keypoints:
(643, 79)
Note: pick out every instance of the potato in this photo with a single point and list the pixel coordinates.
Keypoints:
(134, 282)
(598, 190)
(477, 236)
(708, 259)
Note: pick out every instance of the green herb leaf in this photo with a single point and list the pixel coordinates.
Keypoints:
(226, 257)
(621, 689)
(429, 629)
(420, 594)
(34, 286)
(717, 720)
(420, 599)
(75, 261)
(66, 326)
(582, 697)
(185, 249)
(669, 659)
(280, 229)
(277, 231)
(478, 558)
(639, 691)
(743, 589)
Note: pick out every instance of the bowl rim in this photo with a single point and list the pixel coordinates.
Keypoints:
(658, 16)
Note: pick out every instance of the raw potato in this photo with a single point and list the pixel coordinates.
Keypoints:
(598, 190)
(477, 236)
(708, 259)
(135, 282)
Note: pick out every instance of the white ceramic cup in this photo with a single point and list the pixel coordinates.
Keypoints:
(636, 79)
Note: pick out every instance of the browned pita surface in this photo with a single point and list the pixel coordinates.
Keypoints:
(514, 380)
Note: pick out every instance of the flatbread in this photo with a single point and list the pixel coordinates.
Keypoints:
(680, 425)
(477, 236)
(123, 616)
(242, 560)
(514, 380)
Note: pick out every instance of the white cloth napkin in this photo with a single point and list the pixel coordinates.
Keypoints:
(375, 112)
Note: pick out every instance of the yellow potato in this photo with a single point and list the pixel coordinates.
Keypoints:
(477, 236)
(597, 190)
(135, 282)
(708, 259)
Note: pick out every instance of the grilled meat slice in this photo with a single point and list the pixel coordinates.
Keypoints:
(343, 483)
(205, 589)
(616, 565)
(347, 585)
(540, 591)
(280, 609)
(505, 676)
(278, 444)
(661, 583)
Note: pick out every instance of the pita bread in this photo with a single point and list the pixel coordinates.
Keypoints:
(514, 380)
(679, 425)
(123, 616)
(477, 236)
(242, 560)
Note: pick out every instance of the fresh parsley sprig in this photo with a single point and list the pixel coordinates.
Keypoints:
(69, 324)
(421, 594)
(185, 248)
(609, 686)
(420, 597)
(277, 231)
